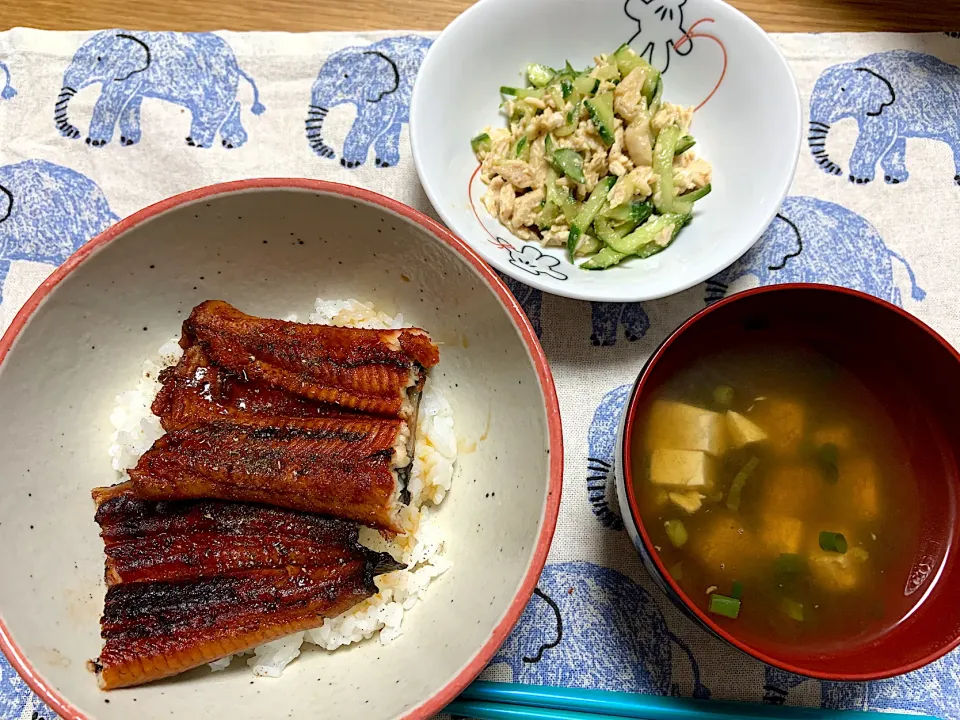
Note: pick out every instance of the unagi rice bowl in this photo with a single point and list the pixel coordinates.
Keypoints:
(420, 550)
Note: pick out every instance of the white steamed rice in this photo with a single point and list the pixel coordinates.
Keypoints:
(421, 550)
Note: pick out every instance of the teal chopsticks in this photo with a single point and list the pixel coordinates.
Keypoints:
(510, 701)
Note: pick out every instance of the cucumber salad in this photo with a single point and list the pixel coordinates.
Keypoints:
(594, 161)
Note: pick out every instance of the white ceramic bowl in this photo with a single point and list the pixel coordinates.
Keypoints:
(81, 339)
(748, 128)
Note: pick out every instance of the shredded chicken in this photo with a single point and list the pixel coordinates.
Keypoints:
(519, 162)
(628, 100)
(690, 172)
(672, 115)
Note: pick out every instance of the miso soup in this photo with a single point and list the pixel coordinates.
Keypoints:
(779, 495)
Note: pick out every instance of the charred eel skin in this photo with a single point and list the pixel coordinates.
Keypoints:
(192, 582)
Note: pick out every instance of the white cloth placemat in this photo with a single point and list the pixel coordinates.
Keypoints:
(598, 620)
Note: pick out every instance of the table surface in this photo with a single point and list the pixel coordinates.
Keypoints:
(306, 15)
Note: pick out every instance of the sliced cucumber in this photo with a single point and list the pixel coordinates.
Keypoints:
(646, 234)
(556, 95)
(695, 195)
(588, 212)
(628, 61)
(653, 86)
(606, 232)
(540, 75)
(570, 163)
(601, 112)
(522, 93)
(607, 257)
(608, 71)
(548, 215)
(586, 85)
(684, 144)
(566, 88)
(663, 152)
(588, 245)
(561, 197)
(571, 121)
(636, 212)
(481, 143)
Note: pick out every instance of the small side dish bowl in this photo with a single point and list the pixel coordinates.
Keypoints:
(270, 247)
(914, 375)
(747, 125)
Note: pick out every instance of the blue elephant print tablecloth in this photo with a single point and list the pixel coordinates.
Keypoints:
(96, 125)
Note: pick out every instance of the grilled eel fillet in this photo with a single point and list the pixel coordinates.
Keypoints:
(192, 582)
(197, 391)
(375, 371)
(349, 467)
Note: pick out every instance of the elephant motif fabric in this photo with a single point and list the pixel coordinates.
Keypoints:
(7, 91)
(879, 106)
(197, 71)
(378, 81)
(812, 240)
(894, 96)
(47, 212)
(601, 457)
(17, 700)
(591, 627)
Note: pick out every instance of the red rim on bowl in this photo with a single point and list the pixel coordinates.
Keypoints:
(949, 638)
(437, 702)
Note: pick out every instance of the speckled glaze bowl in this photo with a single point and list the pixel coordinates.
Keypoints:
(270, 247)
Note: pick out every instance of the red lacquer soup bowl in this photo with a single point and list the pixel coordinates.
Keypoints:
(915, 376)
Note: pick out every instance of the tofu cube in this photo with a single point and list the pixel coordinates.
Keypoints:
(724, 547)
(685, 469)
(858, 485)
(842, 437)
(835, 572)
(780, 534)
(742, 431)
(783, 421)
(676, 426)
(689, 501)
(792, 489)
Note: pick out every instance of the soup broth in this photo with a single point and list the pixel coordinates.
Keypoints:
(779, 495)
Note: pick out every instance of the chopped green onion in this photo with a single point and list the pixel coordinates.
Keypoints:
(736, 487)
(676, 571)
(723, 395)
(676, 532)
(790, 564)
(827, 456)
(793, 609)
(737, 590)
(723, 605)
(833, 542)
